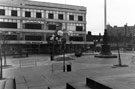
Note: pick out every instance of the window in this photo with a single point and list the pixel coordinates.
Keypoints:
(80, 18)
(76, 38)
(52, 27)
(11, 37)
(13, 13)
(32, 26)
(50, 15)
(2, 12)
(71, 17)
(27, 14)
(38, 14)
(60, 16)
(79, 28)
(8, 25)
(33, 37)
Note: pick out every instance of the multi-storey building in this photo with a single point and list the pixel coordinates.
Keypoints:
(124, 36)
(30, 23)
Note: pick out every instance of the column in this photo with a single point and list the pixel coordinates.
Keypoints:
(44, 37)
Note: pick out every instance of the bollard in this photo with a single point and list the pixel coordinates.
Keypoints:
(69, 67)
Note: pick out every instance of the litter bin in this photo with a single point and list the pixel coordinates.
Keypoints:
(68, 67)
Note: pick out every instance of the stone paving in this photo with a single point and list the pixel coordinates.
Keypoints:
(41, 76)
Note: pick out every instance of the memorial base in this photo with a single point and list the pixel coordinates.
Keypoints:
(105, 52)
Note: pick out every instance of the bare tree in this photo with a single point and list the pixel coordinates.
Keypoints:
(4, 42)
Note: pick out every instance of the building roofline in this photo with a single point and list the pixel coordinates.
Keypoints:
(44, 4)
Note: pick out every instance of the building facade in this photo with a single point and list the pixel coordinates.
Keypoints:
(28, 24)
(124, 36)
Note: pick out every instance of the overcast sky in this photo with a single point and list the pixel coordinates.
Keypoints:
(119, 12)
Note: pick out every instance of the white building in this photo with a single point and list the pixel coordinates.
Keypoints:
(31, 22)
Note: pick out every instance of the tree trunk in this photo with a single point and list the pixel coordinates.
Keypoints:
(5, 61)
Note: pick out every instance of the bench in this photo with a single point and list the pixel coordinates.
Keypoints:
(7, 84)
(69, 86)
(95, 85)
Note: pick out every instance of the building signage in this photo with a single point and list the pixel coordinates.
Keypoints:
(28, 42)
(33, 42)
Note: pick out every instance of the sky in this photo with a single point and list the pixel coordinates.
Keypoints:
(119, 12)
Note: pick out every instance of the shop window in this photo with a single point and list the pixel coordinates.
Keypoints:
(2, 12)
(8, 25)
(27, 14)
(33, 38)
(71, 17)
(60, 16)
(14, 13)
(80, 18)
(32, 26)
(50, 15)
(38, 14)
(76, 38)
(11, 37)
(51, 27)
(79, 28)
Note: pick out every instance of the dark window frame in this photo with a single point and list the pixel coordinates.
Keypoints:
(60, 16)
(8, 25)
(76, 38)
(27, 14)
(11, 37)
(36, 26)
(38, 15)
(71, 17)
(79, 28)
(52, 27)
(50, 16)
(13, 12)
(80, 18)
(2, 12)
(33, 38)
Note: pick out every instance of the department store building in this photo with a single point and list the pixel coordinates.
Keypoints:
(27, 24)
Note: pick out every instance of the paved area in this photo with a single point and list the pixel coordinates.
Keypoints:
(38, 72)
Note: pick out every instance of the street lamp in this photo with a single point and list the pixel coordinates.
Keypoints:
(54, 38)
(50, 41)
(61, 34)
(59, 37)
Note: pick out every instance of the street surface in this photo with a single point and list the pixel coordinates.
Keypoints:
(38, 72)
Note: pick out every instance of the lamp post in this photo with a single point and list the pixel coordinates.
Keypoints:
(51, 43)
(70, 34)
(1, 74)
(61, 34)
(58, 37)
